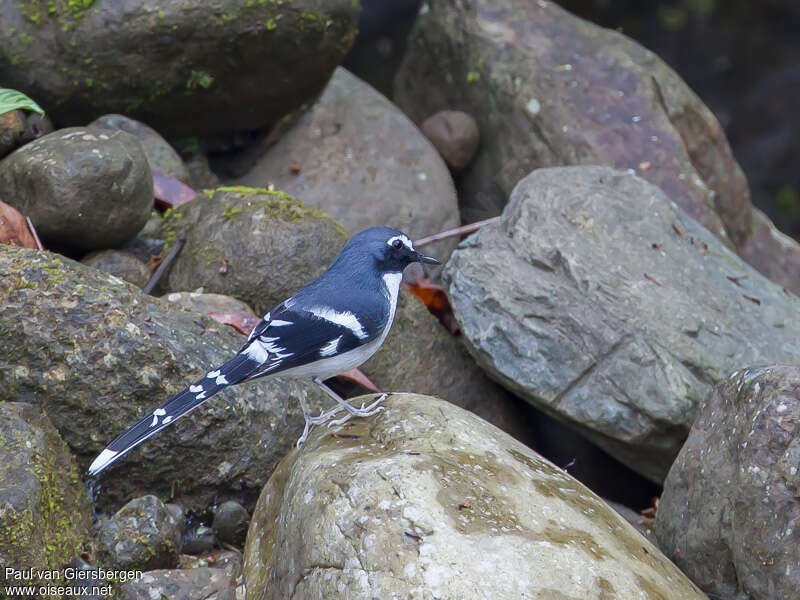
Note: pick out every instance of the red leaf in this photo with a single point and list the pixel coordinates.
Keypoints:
(433, 296)
(359, 377)
(170, 192)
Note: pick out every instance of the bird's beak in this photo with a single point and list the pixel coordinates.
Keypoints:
(427, 259)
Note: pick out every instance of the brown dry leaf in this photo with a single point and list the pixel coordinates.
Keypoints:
(240, 322)
(359, 377)
(169, 192)
(13, 228)
(434, 297)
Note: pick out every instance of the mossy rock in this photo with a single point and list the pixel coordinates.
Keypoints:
(257, 245)
(45, 518)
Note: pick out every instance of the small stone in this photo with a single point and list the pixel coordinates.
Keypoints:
(199, 540)
(455, 135)
(178, 514)
(230, 522)
(12, 130)
(208, 303)
(177, 584)
(120, 264)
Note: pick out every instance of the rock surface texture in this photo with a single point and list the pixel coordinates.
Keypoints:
(115, 355)
(253, 244)
(120, 264)
(426, 500)
(44, 508)
(180, 584)
(600, 302)
(730, 510)
(80, 186)
(361, 160)
(186, 67)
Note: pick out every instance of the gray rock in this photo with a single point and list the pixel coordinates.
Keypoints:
(44, 508)
(287, 245)
(160, 155)
(119, 264)
(426, 500)
(420, 356)
(612, 314)
(642, 525)
(455, 135)
(201, 177)
(728, 516)
(230, 522)
(362, 161)
(141, 535)
(199, 540)
(80, 186)
(228, 560)
(550, 89)
(12, 131)
(175, 584)
(116, 354)
(253, 63)
(177, 513)
(208, 303)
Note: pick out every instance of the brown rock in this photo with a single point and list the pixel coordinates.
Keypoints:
(455, 135)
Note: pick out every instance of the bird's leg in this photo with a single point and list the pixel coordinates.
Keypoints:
(352, 410)
(311, 420)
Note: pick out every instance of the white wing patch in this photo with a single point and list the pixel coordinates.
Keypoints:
(331, 347)
(212, 374)
(159, 412)
(279, 323)
(343, 318)
(406, 242)
(221, 380)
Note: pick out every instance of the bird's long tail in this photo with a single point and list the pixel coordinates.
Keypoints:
(233, 371)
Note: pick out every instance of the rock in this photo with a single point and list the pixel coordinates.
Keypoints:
(550, 89)
(772, 253)
(208, 584)
(614, 316)
(201, 177)
(86, 578)
(426, 500)
(178, 514)
(287, 246)
(80, 187)
(640, 524)
(115, 355)
(254, 62)
(728, 515)
(230, 522)
(455, 135)
(44, 508)
(12, 130)
(119, 264)
(160, 155)
(199, 540)
(142, 535)
(420, 356)
(229, 560)
(36, 126)
(361, 160)
(208, 303)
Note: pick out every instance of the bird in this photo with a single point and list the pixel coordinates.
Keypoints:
(332, 325)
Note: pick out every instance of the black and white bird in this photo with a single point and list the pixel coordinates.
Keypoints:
(332, 325)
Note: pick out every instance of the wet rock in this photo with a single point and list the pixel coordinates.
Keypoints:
(287, 245)
(174, 80)
(80, 186)
(427, 500)
(362, 161)
(114, 356)
(44, 510)
(616, 317)
(141, 535)
(119, 264)
(176, 584)
(12, 130)
(420, 356)
(550, 89)
(208, 303)
(728, 515)
(160, 155)
(199, 540)
(230, 522)
(455, 135)
(228, 560)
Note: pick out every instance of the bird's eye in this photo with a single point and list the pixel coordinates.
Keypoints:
(397, 244)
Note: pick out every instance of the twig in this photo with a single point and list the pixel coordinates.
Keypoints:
(35, 235)
(464, 229)
(164, 266)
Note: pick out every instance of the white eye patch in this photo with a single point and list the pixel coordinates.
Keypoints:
(406, 242)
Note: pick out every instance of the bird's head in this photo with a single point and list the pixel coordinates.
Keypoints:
(392, 250)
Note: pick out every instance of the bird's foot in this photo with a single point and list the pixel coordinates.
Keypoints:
(320, 419)
(364, 411)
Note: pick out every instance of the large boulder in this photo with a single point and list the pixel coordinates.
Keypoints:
(186, 67)
(97, 354)
(549, 89)
(426, 500)
(603, 304)
(44, 508)
(81, 187)
(731, 504)
(180, 584)
(360, 159)
(257, 245)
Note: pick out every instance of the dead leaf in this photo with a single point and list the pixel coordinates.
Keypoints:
(240, 322)
(294, 168)
(361, 379)
(434, 297)
(14, 229)
(169, 192)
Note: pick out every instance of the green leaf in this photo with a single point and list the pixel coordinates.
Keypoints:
(12, 100)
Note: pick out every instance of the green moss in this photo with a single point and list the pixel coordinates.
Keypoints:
(473, 77)
(230, 211)
(199, 78)
(67, 13)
